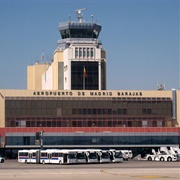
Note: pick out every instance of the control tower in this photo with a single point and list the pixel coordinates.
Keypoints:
(79, 60)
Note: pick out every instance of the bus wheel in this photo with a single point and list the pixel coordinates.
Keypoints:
(149, 158)
(169, 159)
(161, 159)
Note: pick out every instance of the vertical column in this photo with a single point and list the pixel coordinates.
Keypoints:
(173, 103)
(99, 66)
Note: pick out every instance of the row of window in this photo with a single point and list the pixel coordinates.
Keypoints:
(63, 112)
(89, 123)
(121, 111)
(79, 32)
(84, 53)
(93, 140)
(84, 103)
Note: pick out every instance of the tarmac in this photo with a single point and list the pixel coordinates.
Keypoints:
(136, 170)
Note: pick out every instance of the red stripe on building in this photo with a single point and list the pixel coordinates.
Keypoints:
(88, 129)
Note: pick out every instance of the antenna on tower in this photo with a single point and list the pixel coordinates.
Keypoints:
(92, 16)
(42, 57)
(79, 14)
(164, 84)
(69, 18)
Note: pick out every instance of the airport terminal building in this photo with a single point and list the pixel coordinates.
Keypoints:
(67, 102)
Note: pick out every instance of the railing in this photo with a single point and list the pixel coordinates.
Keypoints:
(80, 40)
(85, 22)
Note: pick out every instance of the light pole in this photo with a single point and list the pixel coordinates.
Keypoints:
(41, 138)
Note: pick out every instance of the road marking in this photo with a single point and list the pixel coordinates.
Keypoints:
(105, 172)
(140, 176)
(150, 177)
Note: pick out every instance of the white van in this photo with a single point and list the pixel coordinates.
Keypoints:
(127, 154)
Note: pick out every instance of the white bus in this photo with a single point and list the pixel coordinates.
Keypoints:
(104, 156)
(69, 156)
(66, 156)
(80, 155)
(50, 156)
(27, 156)
(33, 156)
(116, 155)
(23, 156)
(91, 155)
(56, 156)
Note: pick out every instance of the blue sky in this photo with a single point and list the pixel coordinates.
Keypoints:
(141, 39)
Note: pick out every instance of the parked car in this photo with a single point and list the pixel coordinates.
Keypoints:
(2, 159)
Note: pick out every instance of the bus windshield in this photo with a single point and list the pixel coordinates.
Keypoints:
(118, 154)
(72, 156)
(92, 155)
(105, 155)
(80, 156)
(23, 153)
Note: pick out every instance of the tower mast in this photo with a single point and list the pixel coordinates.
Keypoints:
(79, 14)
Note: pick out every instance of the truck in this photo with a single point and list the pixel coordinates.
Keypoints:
(161, 155)
(175, 150)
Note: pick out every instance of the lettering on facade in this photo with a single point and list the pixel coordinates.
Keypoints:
(89, 93)
(46, 93)
(129, 93)
(100, 93)
(81, 93)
